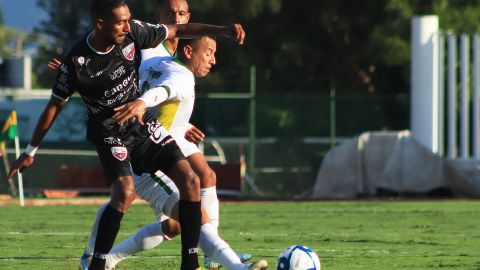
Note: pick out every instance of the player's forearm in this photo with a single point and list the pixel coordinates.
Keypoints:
(46, 120)
(155, 96)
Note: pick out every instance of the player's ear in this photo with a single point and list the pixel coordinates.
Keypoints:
(99, 24)
(188, 51)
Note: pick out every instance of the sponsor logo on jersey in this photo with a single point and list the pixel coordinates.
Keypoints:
(117, 73)
(119, 87)
(119, 152)
(98, 73)
(138, 22)
(63, 69)
(113, 140)
(154, 74)
(63, 78)
(129, 51)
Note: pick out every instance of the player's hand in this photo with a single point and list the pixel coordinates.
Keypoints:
(23, 162)
(194, 135)
(236, 33)
(54, 64)
(127, 111)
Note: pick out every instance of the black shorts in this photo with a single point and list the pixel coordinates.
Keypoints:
(146, 149)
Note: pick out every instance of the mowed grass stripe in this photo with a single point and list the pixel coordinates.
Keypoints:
(345, 234)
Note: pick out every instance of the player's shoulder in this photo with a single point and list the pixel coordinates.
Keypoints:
(78, 52)
(141, 26)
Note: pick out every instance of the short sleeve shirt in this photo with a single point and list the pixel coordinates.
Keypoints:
(106, 80)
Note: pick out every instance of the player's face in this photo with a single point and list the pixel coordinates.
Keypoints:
(118, 26)
(203, 57)
(173, 12)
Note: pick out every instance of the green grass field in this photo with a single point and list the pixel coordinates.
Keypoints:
(346, 235)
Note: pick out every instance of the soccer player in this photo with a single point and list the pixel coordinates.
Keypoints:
(170, 83)
(177, 12)
(103, 68)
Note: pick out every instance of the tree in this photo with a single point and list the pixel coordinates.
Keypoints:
(67, 22)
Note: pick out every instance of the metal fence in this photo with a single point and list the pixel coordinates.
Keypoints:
(292, 134)
(459, 77)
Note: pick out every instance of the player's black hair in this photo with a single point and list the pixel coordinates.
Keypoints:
(103, 9)
(190, 41)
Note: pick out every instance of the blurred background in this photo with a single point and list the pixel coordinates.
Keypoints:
(311, 75)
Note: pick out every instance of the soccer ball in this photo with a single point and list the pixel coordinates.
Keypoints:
(298, 257)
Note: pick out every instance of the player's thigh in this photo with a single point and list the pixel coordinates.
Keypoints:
(150, 156)
(114, 157)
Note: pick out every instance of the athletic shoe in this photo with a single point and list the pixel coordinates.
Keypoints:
(210, 264)
(84, 261)
(213, 265)
(244, 257)
(258, 265)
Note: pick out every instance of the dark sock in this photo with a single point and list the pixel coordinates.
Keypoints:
(190, 216)
(108, 228)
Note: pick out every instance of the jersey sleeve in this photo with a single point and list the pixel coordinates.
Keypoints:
(148, 35)
(64, 84)
(178, 87)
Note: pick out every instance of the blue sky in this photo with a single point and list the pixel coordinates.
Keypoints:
(21, 14)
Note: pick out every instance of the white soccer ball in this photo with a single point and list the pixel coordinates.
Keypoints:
(298, 257)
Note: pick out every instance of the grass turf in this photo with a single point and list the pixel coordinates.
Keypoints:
(345, 234)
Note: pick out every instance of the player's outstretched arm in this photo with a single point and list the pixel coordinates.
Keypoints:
(44, 123)
(191, 30)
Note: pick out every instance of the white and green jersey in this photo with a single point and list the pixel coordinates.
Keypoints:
(179, 82)
(160, 51)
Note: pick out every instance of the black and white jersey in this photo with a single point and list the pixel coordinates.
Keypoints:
(106, 80)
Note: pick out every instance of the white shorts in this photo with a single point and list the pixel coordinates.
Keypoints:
(161, 192)
(187, 148)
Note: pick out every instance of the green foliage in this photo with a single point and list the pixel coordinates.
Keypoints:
(361, 47)
(68, 21)
(375, 235)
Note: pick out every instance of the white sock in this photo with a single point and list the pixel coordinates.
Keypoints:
(217, 249)
(146, 238)
(211, 204)
(93, 235)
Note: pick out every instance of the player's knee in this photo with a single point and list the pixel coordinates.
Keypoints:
(171, 228)
(192, 185)
(123, 194)
(208, 178)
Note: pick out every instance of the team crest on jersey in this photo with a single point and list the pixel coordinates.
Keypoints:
(129, 51)
(119, 152)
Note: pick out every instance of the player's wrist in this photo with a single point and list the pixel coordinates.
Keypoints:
(30, 150)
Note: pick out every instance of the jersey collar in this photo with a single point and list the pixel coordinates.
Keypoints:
(93, 49)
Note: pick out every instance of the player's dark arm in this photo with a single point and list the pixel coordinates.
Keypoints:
(191, 30)
(136, 108)
(44, 123)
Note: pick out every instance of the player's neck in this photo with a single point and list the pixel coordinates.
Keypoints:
(171, 45)
(97, 43)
